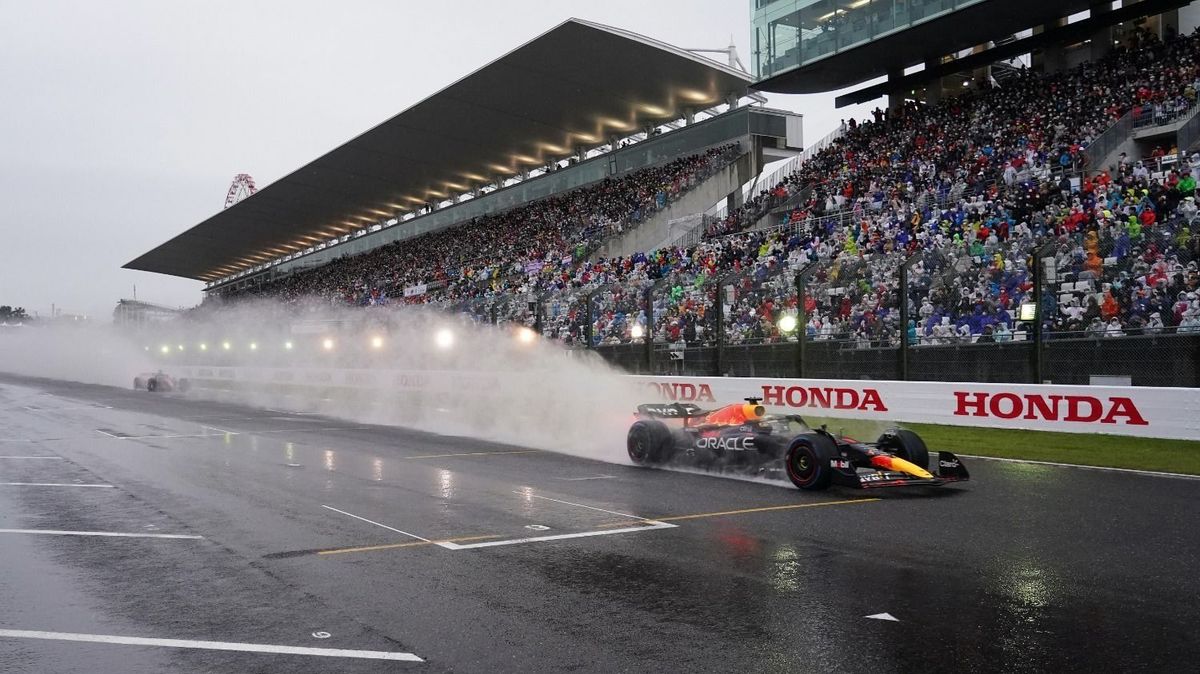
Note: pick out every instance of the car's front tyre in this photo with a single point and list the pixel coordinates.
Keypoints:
(906, 445)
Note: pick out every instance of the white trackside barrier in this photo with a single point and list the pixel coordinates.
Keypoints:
(1119, 410)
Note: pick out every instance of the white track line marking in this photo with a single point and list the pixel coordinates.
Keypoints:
(48, 458)
(581, 479)
(108, 434)
(556, 537)
(211, 645)
(649, 525)
(219, 430)
(580, 505)
(1151, 473)
(376, 523)
(54, 484)
(106, 534)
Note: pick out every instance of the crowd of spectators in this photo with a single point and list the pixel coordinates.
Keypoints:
(501, 253)
(972, 187)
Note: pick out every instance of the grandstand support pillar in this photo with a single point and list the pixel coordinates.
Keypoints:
(648, 333)
(1102, 39)
(903, 299)
(587, 318)
(895, 99)
(732, 101)
(802, 315)
(689, 116)
(1043, 270)
(720, 307)
(934, 89)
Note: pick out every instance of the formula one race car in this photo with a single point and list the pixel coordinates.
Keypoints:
(742, 438)
(159, 381)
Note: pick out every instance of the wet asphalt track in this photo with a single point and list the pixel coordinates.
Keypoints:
(1027, 568)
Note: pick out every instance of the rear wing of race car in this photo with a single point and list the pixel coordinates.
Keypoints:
(683, 411)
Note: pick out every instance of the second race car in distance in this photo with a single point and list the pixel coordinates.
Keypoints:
(159, 381)
(742, 438)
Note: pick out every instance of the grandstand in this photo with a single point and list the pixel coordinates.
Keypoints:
(1009, 232)
(576, 106)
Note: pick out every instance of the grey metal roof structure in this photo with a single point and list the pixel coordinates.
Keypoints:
(575, 86)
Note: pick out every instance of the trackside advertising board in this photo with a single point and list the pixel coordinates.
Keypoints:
(1119, 410)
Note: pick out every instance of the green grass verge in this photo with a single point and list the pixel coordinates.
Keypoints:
(1086, 449)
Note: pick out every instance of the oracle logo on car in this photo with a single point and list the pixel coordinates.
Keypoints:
(1084, 409)
(686, 392)
(828, 397)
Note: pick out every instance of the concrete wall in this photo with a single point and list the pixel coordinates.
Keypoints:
(655, 233)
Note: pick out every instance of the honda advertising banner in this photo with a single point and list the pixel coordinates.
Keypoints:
(1119, 410)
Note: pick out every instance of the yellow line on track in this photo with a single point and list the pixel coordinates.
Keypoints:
(746, 511)
(440, 456)
(393, 546)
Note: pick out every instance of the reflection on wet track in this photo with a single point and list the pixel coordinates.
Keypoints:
(475, 556)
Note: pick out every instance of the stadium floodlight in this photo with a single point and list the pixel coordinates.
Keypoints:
(165, 349)
(637, 332)
(287, 345)
(444, 338)
(1028, 311)
(180, 347)
(787, 324)
(377, 342)
(226, 345)
(526, 336)
(254, 346)
(327, 344)
(145, 348)
(203, 346)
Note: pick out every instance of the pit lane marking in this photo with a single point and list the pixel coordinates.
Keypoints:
(211, 645)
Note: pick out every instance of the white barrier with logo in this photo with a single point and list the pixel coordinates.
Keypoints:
(1119, 410)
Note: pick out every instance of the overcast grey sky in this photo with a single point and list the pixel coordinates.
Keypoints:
(122, 123)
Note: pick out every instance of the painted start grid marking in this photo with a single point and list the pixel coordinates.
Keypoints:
(210, 645)
(644, 524)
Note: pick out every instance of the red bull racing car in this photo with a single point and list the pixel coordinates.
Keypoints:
(159, 381)
(742, 438)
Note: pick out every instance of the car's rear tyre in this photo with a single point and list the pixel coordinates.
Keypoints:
(151, 384)
(807, 462)
(906, 445)
(649, 442)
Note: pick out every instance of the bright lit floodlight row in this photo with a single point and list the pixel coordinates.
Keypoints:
(443, 338)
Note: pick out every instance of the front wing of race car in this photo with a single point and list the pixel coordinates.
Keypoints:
(892, 471)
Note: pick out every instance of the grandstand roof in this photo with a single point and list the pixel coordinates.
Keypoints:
(574, 85)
